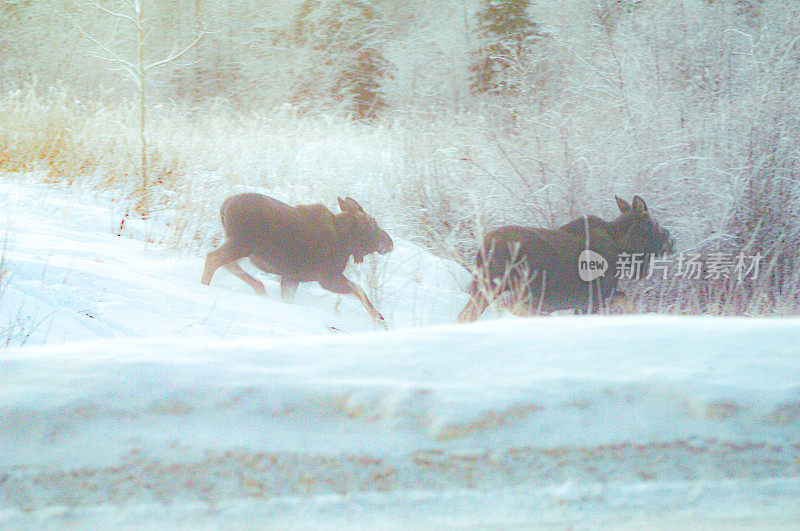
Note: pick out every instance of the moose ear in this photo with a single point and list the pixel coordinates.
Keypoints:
(350, 205)
(623, 205)
(638, 205)
(346, 222)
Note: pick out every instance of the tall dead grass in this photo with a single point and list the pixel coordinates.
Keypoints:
(692, 105)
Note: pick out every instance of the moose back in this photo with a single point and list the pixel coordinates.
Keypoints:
(541, 268)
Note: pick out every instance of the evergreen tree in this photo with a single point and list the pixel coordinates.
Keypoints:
(345, 64)
(507, 33)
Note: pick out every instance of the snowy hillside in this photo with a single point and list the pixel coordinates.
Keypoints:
(132, 395)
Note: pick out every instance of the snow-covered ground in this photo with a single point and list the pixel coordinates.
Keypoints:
(139, 397)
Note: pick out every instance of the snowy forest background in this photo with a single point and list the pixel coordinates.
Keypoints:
(443, 118)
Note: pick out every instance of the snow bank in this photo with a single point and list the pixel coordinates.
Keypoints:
(144, 398)
(454, 412)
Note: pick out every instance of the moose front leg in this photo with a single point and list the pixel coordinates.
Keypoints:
(341, 284)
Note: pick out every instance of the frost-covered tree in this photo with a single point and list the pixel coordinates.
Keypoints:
(506, 33)
(134, 62)
(340, 41)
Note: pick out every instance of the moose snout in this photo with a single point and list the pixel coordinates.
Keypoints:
(385, 244)
(667, 242)
(669, 247)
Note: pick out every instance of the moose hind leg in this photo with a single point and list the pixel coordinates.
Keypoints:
(237, 270)
(217, 258)
(478, 302)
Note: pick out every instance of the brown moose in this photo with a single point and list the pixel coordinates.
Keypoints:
(306, 243)
(541, 266)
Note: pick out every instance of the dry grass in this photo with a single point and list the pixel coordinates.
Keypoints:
(691, 105)
(442, 184)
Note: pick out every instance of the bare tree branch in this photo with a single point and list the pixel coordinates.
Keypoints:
(147, 35)
(178, 55)
(112, 56)
(114, 14)
(136, 7)
(133, 73)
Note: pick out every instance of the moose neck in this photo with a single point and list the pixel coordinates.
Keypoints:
(346, 245)
(622, 229)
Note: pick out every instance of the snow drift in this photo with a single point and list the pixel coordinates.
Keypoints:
(143, 397)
